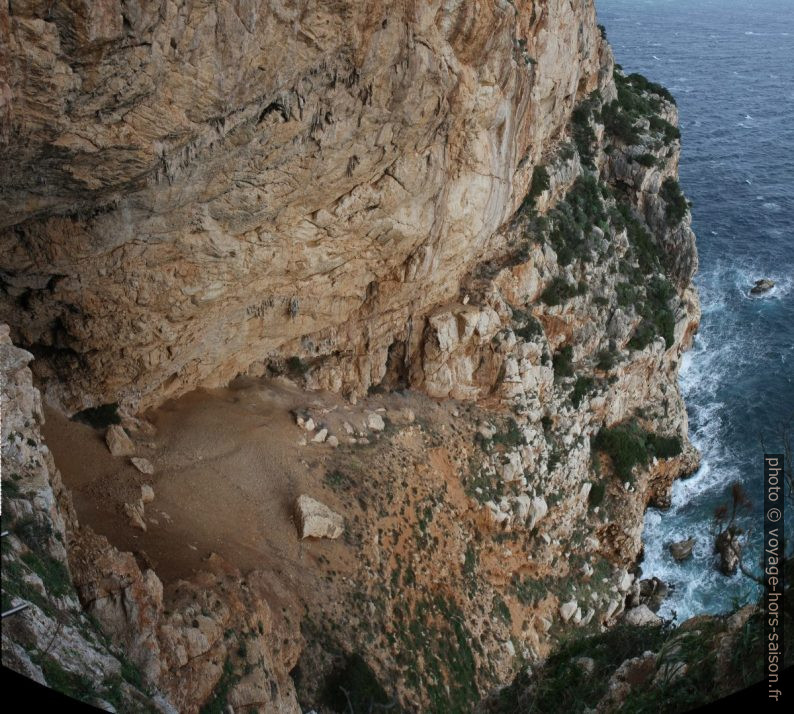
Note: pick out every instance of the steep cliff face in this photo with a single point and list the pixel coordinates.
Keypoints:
(463, 202)
(99, 625)
(193, 188)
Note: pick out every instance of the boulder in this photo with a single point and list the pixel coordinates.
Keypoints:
(134, 513)
(625, 581)
(642, 616)
(568, 610)
(537, 511)
(143, 465)
(119, 444)
(729, 549)
(682, 549)
(316, 520)
(653, 592)
(375, 422)
(762, 286)
(147, 493)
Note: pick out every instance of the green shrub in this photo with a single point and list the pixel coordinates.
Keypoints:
(619, 123)
(540, 181)
(646, 160)
(582, 130)
(656, 310)
(606, 359)
(52, 572)
(512, 436)
(664, 447)
(642, 83)
(677, 205)
(296, 366)
(627, 294)
(558, 291)
(562, 685)
(563, 362)
(596, 495)
(216, 704)
(643, 336)
(582, 386)
(628, 446)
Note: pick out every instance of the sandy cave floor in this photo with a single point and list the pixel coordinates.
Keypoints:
(229, 464)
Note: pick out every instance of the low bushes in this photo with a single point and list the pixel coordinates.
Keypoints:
(627, 445)
(677, 205)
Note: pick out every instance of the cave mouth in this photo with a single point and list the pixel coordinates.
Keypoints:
(226, 468)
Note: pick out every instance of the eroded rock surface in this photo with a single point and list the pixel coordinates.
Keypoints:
(191, 190)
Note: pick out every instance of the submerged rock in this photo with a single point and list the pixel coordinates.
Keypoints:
(682, 549)
(729, 549)
(653, 592)
(762, 286)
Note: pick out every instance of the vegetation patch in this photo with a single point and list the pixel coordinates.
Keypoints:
(217, 702)
(582, 128)
(559, 290)
(677, 205)
(540, 183)
(563, 362)
(628, 446)
(581, 388)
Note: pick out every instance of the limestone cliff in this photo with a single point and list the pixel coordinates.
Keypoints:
(457, 215)
(194, 188)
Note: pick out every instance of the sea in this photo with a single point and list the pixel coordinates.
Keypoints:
(730, 65)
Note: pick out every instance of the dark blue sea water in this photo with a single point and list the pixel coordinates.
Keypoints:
(730, 64)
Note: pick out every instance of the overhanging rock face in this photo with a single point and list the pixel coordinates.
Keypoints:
(190, 189)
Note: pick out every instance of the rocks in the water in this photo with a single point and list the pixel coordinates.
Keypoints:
(729, 549)
(316, 520)
(143, 465)
(653, 592)
(320, 436)
(762, 286)
(642, 616)
(119, 444)
(147, 493)
(682, 549)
